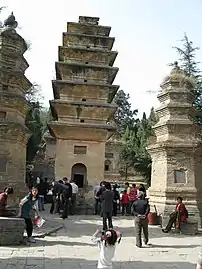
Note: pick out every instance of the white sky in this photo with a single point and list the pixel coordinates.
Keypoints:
(144, 32)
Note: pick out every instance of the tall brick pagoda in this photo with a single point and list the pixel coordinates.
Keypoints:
(174, 151)
(13, 108)
(82, 105)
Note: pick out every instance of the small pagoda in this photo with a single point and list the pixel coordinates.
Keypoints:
(173, 151)
(82, 105)
(13, 108)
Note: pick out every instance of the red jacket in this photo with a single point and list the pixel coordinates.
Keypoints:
(3, 203)
(125, 199)
(133, 194)
(180, 208)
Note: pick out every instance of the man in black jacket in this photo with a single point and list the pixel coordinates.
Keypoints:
(66, 197)
(60, 189)
(141, 210)
(107, 206)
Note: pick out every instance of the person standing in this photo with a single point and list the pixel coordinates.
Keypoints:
(66, 197)
(46, 187)
(41, 193)
(116, 200)
(28, 203)
(132, 197)
(97, 199)
(141, 210)
(127, 188)
(57, 189)
(142, 189)
(107, 206)
(75, 191)
(3, 202)
(125, 203)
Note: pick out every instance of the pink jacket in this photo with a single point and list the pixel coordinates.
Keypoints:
(133, 194)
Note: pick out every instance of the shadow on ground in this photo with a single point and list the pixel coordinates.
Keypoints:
(55, 263)
(87, 225)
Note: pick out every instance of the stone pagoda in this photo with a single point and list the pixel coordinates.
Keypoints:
(82, 105)
(173, 152)
(13, 108)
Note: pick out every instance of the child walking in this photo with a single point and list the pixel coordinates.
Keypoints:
(106, 242)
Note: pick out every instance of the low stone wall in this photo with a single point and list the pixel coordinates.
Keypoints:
(11, 231)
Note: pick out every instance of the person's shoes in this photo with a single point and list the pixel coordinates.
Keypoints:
(139, 246)
(63, 217)
(31, 240)
(165, 231)
(145, 242)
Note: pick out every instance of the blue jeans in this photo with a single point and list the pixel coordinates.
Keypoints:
(41, 202)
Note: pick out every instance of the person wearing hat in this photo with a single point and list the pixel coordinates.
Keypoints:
(141, 210)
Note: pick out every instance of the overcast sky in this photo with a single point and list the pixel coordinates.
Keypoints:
(145, 31)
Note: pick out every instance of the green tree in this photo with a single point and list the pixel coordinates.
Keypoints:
(36, 121)
(125, 116)
(189, 64)
(128, 151)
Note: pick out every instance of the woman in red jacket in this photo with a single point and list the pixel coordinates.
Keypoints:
(178, 217)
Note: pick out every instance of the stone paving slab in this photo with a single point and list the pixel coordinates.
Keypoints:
(71, 248)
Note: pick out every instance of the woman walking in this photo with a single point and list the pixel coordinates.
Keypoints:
(28, 203)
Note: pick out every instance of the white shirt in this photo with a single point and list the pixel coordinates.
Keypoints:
(106, 254)
(75, 188)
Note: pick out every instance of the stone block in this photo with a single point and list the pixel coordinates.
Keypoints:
(11, 231)
(190, 228)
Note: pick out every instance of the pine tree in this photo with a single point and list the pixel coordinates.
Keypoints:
(188, 63)
(124, 117)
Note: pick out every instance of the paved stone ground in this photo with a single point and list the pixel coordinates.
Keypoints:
(71, 248)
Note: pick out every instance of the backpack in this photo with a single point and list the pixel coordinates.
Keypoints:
(186, 213)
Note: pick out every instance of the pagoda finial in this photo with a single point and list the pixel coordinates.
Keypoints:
(176, 66)
(10, 22)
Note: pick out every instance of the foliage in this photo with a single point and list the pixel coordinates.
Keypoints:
(36, 121)
(189, 64)
(124, 116)
(134, 153)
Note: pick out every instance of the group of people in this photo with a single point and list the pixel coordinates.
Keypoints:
(122, 199)
(64, 197)
(107, 239)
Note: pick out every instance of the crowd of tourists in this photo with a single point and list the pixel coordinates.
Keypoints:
(123, 198)
(109, 200)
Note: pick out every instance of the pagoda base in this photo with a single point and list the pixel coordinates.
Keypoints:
(81, 161)
(13, 169)
(165, 202)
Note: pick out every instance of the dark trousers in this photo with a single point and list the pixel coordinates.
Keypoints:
(29, 227)
(65, 207)
(125, 209)
(141, 224)
(41, 202)
(73, 204)
(55, 205)
(131, 207)
(172, 220)
(114, 208)
(107, 216)
(97, 207)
